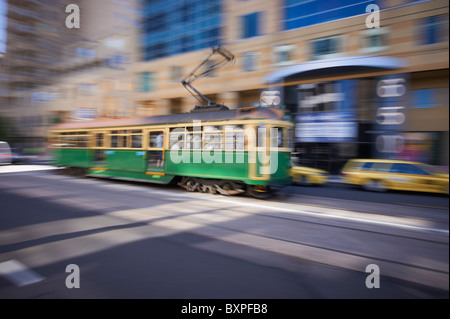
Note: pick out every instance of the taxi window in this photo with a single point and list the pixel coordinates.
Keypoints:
(407, 169)
(381, 167)
(366, 166)
(353, 166)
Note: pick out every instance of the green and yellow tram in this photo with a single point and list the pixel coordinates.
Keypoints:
(227, 152)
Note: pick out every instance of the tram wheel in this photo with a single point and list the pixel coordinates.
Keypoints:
(191, 185)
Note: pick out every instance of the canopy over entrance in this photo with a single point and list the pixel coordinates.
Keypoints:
(336, 66)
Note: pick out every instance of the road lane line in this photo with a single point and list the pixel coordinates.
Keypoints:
(25, 168)
(322, 213)
(18, 273)
(426, 206)
(304, 212)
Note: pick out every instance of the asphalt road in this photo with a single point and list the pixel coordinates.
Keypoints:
(135, 240)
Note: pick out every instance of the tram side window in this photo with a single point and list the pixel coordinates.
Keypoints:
(196, 141)
(81, 141)
(176, 139)
(261, 136)
(193, 138)
(123, 140)
(74, 139)
(99, 139)
(114, 141)
(234, 137)
(156, 139)
(290, 135)
(54, 141)
(278, 138)
(119, 138)
(136, 138)
(213, 137)
(136, 141)
(66, 141)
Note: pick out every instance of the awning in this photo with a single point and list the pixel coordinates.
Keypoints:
(336, 66)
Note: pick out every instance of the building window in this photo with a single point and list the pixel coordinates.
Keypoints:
(424, 98)
(147, 81)
(250, 25)
(326, 48)
(212, 37)
(136, 138)
(283, 54)
(85, 53)
(187, 25)
(186, 13)
(430, 30)
(87, 89)
(374, 40)
(155, 23)
(250, 61)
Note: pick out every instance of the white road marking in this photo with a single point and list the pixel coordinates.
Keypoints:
(341, 214)
(304, 212)
(25, 168)
(371, 221)
(18, 273)
(55, 177)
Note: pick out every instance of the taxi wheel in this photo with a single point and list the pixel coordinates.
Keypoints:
(375, 186)
(303, 180)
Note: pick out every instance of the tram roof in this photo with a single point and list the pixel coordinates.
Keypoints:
(236, 114)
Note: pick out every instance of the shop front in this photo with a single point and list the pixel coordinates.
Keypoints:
(352, 107)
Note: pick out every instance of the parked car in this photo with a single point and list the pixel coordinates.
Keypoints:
(381, 175)
(308, 176)
(5, 153)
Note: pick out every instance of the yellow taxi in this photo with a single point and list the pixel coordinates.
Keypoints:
(381, 175)
(308, 176)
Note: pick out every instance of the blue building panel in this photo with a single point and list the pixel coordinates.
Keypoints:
(178, 26)
(303, 13)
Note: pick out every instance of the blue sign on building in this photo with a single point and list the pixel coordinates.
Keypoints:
(302, 13)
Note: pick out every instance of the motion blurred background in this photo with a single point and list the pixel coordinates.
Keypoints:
(355, 90)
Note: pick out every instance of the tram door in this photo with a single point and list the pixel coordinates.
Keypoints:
(99, 152)
(155, 153)
(263, 151)
(256, 138)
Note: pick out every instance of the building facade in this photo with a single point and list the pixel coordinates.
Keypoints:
(94, 78)
(355, 87)
(354, 90)
(36, 36)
